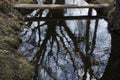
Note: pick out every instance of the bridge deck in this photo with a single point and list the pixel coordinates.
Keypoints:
(59, 6)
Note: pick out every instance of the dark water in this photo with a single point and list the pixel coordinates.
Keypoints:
(66, 49)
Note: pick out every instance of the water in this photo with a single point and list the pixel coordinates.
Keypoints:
(61, 60)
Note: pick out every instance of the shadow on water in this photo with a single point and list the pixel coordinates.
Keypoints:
(60, 42)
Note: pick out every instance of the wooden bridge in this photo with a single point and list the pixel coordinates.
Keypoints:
(62, 6)
(59, 6)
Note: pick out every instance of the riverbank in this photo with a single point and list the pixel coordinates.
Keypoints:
(13, 65)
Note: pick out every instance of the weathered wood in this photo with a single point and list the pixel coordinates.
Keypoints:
(58, 6)
(63, 18)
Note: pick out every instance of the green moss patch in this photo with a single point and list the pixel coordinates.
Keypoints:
(12, 42)
(14, 68)
(26, 1)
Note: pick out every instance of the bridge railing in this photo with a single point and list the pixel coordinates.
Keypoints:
(61, 6)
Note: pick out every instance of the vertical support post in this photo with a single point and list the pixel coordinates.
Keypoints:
(87, 30)
(87, 63)
(93, 45)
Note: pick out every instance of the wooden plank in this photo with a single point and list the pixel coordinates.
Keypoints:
(63, 18)
(58, 6)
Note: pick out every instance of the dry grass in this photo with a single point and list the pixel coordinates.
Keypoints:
(26, 1)
(13, 66)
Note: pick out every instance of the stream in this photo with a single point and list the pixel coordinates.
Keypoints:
(61, 61)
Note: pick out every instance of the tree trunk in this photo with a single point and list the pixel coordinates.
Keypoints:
(112, 71)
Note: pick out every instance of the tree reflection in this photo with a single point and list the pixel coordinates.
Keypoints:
(58, 34)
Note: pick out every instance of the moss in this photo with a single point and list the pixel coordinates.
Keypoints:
(8, 30)
(15, 24)
(10, 48)
(104, 1)
(12, 42)
(13, 66)
(21, 22)
(24, 67)
(27, 1)
(4, 5)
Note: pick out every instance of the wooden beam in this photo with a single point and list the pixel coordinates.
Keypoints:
(58, 6)
(62, 18)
